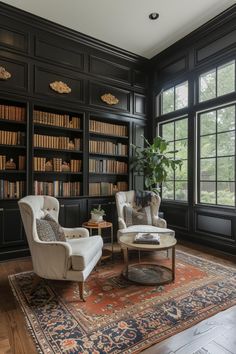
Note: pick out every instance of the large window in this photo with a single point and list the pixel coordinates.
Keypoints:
(175, 98)
(176, 133)
(217, 82)
(216, 156)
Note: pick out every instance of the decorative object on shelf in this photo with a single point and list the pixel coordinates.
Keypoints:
(154, 161)
(10, 165)
(65, 167)
(60, 87)
(48, 166)
(97, 213)
(71, 145)
(109, 99)
(4, 74)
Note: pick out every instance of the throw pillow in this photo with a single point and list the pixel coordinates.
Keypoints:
(45, 231)
(137, 217)
(58, 230)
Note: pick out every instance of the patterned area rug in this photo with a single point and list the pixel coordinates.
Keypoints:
(119, 316)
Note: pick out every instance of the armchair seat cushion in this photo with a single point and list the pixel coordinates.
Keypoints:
(84, 250)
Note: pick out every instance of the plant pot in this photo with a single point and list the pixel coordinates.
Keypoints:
(96, 217)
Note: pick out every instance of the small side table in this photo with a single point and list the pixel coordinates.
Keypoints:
(105, 225)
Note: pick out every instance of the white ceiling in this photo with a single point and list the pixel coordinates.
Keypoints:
(125, 23)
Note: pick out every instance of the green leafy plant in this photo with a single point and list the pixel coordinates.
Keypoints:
(98, 211)
(154, 161)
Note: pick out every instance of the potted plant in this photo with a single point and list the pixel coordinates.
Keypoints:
(97, 214)
(154, 161)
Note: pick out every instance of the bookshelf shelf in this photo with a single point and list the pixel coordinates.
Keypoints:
(98, 134)
(59, 150)
(55, 127)
(14, 122)
(108, 158)
(13, 143)
(12, 172)
(57, 154)
(108, 174)
(57, 173)
(108, 155)
(12, 146)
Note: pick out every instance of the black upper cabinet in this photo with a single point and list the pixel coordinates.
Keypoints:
(37, 53)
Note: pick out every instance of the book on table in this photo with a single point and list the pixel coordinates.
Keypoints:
(147, 238)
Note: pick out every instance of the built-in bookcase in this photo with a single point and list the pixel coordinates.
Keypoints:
(108, 157)
(13, 128)
(57, 153)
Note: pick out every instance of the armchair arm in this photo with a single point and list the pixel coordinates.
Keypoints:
(122, 224)
(75, 232)
(159, 222)
(51, 259)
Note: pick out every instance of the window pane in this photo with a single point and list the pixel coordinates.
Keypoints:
(225, 144)
(168, 190)
(207, 192)
(168, 100)
(226, 193)
(208, 169)
(207, 86)
(183, 173)
(171, 147)
(181, 192)
(182, 147)
(226, 79)
(181, 95)
(168, 131)
(170, 174)
(208, 146)
(225, 169)
(181, 129)
(208, 123)
(226, 119)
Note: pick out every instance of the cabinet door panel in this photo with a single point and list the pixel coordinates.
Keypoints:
(72, 214)
(12, 232)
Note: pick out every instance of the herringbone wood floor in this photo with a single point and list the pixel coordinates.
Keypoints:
(215, 335)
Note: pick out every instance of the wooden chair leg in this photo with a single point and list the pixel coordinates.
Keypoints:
(81, 290)
(35, 283)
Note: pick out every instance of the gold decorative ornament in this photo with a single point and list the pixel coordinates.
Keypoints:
(109, 99)
(4, 74)
(60, 87)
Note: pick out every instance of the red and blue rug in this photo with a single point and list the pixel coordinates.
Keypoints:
(119, 316)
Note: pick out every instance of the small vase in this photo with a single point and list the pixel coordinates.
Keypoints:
(96, 217)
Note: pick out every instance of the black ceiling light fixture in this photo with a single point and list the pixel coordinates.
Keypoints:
(154, 16)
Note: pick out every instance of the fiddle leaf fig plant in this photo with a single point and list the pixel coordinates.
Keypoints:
(154, 161)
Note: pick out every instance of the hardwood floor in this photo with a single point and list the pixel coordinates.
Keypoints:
(215, 335)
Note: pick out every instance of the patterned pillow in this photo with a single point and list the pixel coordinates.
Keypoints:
(137, 217)
(45, 231)
(57, 229)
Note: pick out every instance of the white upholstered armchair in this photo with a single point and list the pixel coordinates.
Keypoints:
(73, 259)
(128, 199)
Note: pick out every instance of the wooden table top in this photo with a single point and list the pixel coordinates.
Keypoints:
(104, 225)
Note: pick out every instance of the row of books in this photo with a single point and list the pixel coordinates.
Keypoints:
(12, 138)
(107, 128)
(12, 113)
(9, 190)
(107, 147)
(58, 120)
(57, 188)
(56, 165)
(56, 142)
(106, 188)
(107, 166)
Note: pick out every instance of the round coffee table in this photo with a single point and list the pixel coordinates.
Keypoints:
(149, 273)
